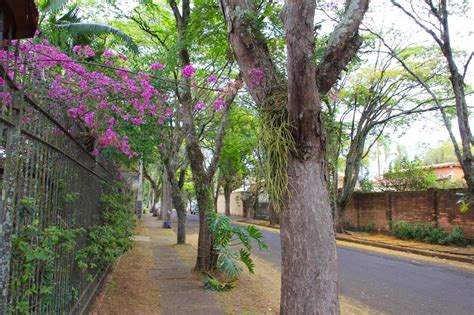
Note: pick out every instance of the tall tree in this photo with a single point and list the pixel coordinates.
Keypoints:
(239, 140)
(374, 97)
(309, 277)
(433, 18)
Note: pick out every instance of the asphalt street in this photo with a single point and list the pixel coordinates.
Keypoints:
(390, 283)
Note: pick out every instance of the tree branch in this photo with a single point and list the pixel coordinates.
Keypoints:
(211, 170)
(342, 46)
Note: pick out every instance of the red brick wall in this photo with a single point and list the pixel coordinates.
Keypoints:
(413, 207)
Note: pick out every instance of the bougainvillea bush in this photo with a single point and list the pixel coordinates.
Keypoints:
(106, 97)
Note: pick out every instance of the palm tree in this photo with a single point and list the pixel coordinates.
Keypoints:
(80, 33)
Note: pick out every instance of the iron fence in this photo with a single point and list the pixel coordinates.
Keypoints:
(48, 181)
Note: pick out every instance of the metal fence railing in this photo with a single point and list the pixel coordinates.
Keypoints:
(47, 180)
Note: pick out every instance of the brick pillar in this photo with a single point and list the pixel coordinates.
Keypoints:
(388, 211)
(435, 205)
(357, 208)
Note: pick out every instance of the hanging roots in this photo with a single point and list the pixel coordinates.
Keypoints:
(276, 141)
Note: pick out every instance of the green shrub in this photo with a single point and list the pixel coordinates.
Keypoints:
(370, 228)
(456, 237)
(428, 233)
(348, 226)
(436, 236)
(402, 230)
(110, 240)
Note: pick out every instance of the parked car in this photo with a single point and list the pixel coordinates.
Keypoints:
(194, 209)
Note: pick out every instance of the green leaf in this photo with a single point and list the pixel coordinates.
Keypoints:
(100, 29)
(245, 258)
(227, 262)
(53, 5)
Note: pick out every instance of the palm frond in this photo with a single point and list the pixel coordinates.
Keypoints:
(71, 16)
(100, 29)
(53, 5)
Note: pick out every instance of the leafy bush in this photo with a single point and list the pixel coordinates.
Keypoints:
(35, 250)
(428, 233)
(370, 228)
(110, 240)
(233, 246)
(348, 225)
(406, 175)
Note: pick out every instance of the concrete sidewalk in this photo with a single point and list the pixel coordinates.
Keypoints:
(180, 288)
(176, 287)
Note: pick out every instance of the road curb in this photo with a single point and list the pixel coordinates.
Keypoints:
(464, 259)
(468, 259)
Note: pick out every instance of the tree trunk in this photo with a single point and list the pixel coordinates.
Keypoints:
(166, 203)
(274, 216)
(155, 210)
(309, 279)
(207, 256)
(180, 207)
(309, 266)
(177, 196)
(227, 194)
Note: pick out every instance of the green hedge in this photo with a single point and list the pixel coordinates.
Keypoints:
(428, 233)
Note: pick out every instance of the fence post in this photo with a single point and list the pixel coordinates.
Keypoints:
(9, 182)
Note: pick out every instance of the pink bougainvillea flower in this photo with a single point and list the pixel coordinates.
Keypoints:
(83, 51)
(108, 54)
(200, 106)
(155, 66)
(188, 71)
(89, 119)
(212, 78)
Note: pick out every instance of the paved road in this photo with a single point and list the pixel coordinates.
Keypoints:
(391, 284)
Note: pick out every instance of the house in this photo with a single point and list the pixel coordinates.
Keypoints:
(236, 203)
(448, 171)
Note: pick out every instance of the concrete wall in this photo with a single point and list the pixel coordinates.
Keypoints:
(413, 207)
(236, 204)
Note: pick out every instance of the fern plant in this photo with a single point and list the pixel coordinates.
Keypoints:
(233, 245)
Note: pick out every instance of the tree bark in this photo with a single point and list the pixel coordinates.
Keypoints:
(227, 194)
(180, 206)
(274, 216)
(308, 243)
(166, 203)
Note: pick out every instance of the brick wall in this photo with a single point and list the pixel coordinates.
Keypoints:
(413, 207)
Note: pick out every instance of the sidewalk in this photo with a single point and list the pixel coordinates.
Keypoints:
(172, 286)
(461, 254)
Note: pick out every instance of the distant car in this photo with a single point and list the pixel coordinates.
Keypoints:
(194, 209)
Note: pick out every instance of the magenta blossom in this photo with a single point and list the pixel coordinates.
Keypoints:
(212, 78)
(108, 54)
(83, 51)
(155, 66)
(188, 71)
(200, 106)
